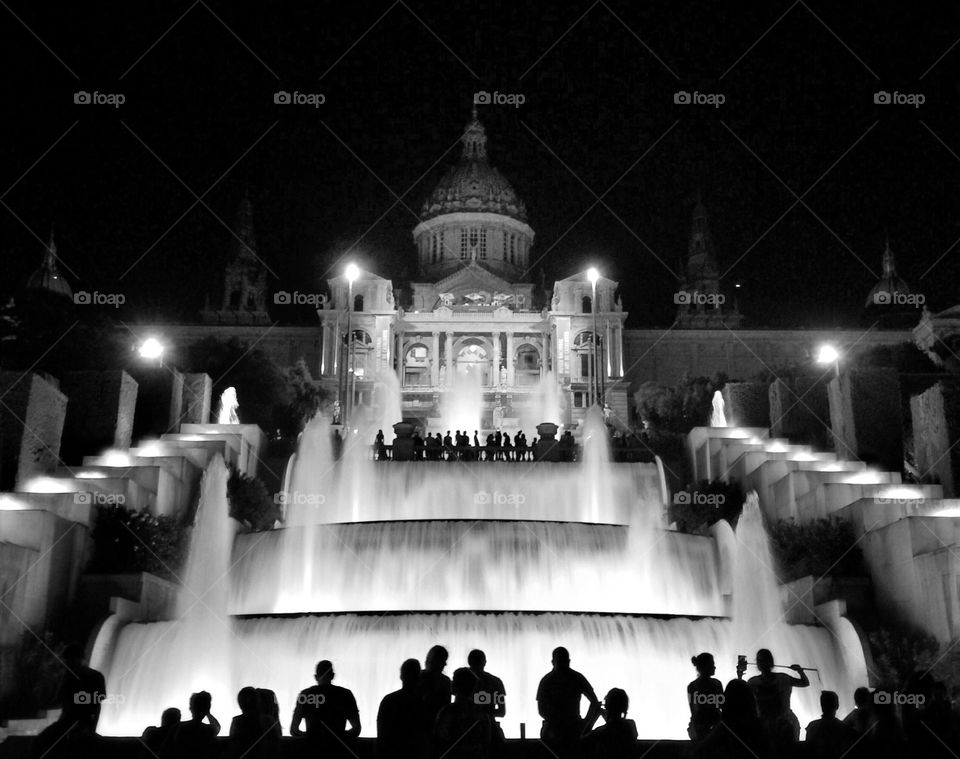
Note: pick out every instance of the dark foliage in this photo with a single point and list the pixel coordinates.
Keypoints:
(677, 409)
(898, 654)
(250, 503)
(134, 541)
(701, 506)
(305, 399)
(818, 548)
(36, 677)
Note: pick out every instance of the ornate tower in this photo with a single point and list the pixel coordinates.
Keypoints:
(48, 277)
(701, 304)
(890, 302)
(245, 278)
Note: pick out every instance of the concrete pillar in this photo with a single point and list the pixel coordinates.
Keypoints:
(865, 416)
(495, 361)
(197, 392)
(31, 423)
(936, 436)
(510, 376)
(435, 359)
(99, 413)
(448, 357)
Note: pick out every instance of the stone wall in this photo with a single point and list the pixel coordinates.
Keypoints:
(31, 425)
(936, 436)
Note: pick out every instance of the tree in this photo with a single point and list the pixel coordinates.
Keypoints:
(305, 399)
(677, 409)
(250, 503)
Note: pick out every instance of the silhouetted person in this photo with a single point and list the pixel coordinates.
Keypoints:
(336, 440)
(490, 695)
(498, 445)
(704, 696)
(558, 701)
(862, 717)
(739, 734)
(251, 732)
(828, 737)
(507, 448)
(448, 445)
(379, 445)
(81, 693)
(567, 446)
(434, 685)
(772, 691)
(936, 733)
(418, 446)
(490, 444)
(326, 709)
(403, 721)
(520, 442)
(155, 737)
(476, 442)
(462, 729)
(617, 737)
(271, 709)
(194, 738)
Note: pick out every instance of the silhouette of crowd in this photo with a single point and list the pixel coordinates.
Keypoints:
(432, 715)
(461, 446)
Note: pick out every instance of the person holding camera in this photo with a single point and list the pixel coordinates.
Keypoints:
(772, 691)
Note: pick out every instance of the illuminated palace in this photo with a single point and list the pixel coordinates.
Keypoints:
(474, 320)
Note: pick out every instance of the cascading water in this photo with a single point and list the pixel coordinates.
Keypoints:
(718, 417)
(381, 560)
(229, 411)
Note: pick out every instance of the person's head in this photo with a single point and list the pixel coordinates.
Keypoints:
(409, 672)
(324, 672)
(764, 660)
(829, 703)
(200, 704)
(477, 660)
(268, 702)
(464, 683)
(616, 702)
(739, 705)
(73, 655)
(861, 697)
(248, 700)
(170, 717)
(560, 658)
(704, 664)
(436, 659)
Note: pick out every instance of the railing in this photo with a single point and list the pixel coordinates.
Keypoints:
(619, 455)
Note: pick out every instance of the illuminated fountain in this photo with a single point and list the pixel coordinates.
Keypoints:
(380, 560)
(228, 413)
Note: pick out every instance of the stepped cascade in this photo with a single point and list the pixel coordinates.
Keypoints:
(378, 561)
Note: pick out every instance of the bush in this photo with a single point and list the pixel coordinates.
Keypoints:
(677, 409)
(898, 654)
(37, 672)
(822, 547)
(250, 502)
(135, 541)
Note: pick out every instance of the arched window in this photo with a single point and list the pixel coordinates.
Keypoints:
(586, 304)
(416, 366)
(358, 302)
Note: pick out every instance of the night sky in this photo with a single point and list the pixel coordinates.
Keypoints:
(398, 79)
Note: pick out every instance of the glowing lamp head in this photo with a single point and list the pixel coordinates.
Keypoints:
(827, 354)
(352, 272)
(593, 275)
(150, 349)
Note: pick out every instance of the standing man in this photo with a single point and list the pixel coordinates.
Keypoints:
(403, 726)
(558, 700)
(491, 696)
(327, 708)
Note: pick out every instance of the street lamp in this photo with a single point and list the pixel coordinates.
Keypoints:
(151, 349)
(828, 354)
(593, 275)
(351, 273)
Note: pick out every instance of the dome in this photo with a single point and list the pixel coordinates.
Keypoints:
(473, 185)
(47, 277)
(890, 287)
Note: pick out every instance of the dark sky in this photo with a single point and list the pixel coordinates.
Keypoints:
(599, 82)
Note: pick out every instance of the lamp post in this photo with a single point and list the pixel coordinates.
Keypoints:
(828, 354)
(351, 273)
(593, 275)
(151, 349)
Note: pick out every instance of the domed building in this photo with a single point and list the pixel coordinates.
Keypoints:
(47, 277)
(471, 326)
(890, 302)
